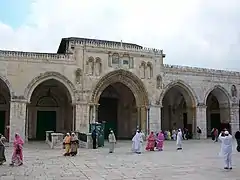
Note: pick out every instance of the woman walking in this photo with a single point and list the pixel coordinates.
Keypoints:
(151, 142)
(2, 149)
(74, 144)
(67, 144)
(160, 140)
(17, 157)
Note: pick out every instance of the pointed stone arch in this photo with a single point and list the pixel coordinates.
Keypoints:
(47, 76)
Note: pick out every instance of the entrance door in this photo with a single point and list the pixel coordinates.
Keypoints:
(46, 121)
(108, 112)
(2, 122)
(215, 121)
(185, 121)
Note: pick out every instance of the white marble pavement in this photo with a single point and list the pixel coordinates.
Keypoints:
(199, 161)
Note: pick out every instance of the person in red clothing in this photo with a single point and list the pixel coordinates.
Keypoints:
(151, 142)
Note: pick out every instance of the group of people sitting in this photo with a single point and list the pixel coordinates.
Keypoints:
(17, 156)
(70, 144)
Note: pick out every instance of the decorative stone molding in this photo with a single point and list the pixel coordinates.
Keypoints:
(33, 55)
(46, 76)
(142, 67)
(98, 66)
(198, 71)
(149, 70)
(159, 83)
(116, 46)
(90, 66)
(78, 75)
(183, 85)
(128, 79)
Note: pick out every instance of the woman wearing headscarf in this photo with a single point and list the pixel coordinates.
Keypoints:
(67, 144)
(17, 157)
(2, 149)
(112, 141)
(237, 137)
(151, 142)
(74, 144)
(160, 139)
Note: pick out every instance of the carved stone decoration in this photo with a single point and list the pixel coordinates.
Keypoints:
(142, 70)
(159, 82)
(234, 91)
(78, 75)
(90, 66)
(98, 66)
(149, 70)
(115, 59)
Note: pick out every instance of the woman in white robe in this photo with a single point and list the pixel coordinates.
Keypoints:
(179, 140)
(226, 149)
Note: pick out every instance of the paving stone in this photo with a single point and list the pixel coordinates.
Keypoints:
(199, 160)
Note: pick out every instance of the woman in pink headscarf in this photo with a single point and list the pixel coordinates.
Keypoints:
(17, 157)
(160, 139)
(151, 142)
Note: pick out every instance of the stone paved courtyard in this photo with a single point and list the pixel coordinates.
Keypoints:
(199, 161)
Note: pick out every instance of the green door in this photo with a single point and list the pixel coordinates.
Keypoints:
(108, 112)
(2, 122)
(46, 121)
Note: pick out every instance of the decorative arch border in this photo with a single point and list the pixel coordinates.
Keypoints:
(224, 91)
(8, 84)
(47, 76)
(183, 85)
(128, 79)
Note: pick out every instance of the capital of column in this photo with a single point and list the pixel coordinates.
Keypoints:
(201, 105)
(19, 99)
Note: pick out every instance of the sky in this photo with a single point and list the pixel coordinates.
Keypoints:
(201, 33)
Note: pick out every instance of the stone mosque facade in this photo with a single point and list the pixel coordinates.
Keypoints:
(124, 85)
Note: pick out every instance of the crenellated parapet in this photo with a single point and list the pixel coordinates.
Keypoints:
(34, 55)
(198, 71)
(67, 45)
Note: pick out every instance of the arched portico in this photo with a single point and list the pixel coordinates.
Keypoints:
(217, 100)
(131, 101)
(50, 97)
(5, 98)
(178, 107)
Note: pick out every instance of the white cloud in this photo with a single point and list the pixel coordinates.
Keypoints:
(199, 33)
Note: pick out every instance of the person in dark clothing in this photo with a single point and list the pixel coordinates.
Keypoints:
(94, 139)
(237, 137)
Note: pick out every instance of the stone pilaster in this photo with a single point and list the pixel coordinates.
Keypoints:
(201, 120)
(234, 122)
(17, 118)
(155, 118)
(82, 117)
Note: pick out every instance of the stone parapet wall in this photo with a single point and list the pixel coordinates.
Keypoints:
(197, 71)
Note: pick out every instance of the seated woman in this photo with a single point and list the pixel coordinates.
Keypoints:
(151, 142)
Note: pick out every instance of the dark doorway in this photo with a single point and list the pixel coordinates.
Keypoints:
(2, 122)
(108, 112)
(215, 121)
(46, 121)
(185, 121)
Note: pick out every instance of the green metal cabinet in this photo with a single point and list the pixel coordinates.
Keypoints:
(100, 132)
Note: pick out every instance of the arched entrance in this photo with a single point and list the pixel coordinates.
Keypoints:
(50, 109)
(5, 99)
(118, 109)
(178, 109)
(218, 110)
(123, 101)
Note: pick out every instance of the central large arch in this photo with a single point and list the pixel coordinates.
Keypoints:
(125, 94)
(179, 107)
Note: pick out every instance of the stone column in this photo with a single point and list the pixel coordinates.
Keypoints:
(201, 120)
(234, 122)
(17, 117)
(82, 117)
(155, 118)
(143, 122)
